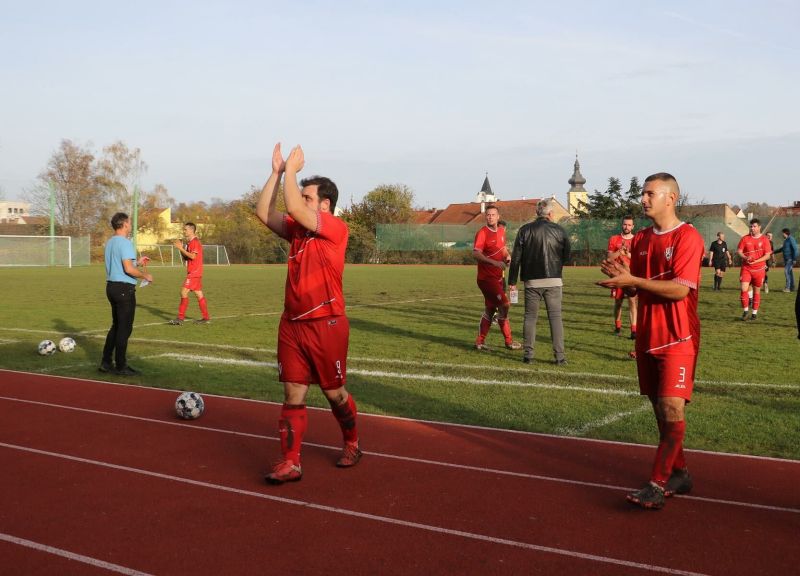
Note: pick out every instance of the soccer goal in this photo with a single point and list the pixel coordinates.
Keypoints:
(44, 251)
(168, 255)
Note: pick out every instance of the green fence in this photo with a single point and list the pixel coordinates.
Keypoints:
(589, 237)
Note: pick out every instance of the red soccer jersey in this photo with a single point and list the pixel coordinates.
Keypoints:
(194, 268)
(754, 248)
(316, 266)
(492, 244)
(617, 242)
(668, 326)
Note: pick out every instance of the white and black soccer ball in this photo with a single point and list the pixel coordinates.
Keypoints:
(47, 347)
(189, 406)
(66, 344)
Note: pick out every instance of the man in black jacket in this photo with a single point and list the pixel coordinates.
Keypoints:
(540, 250)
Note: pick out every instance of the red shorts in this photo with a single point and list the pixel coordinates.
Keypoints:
(493, 293)
(314, 351)
(193, 283)
(754, 278)
(663, 375)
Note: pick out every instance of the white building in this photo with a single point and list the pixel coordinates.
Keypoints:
(14, 212)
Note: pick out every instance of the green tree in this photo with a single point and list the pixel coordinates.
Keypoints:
(386, 204)
(606, 204)
(79, 197)
(632, 202)
(247, 240)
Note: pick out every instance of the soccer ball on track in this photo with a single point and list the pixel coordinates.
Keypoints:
(47, 347)
(66, 344)
(189, 406)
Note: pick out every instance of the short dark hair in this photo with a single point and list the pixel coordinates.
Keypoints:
(787, 231)
(118, 220)
(627, 217)
(192, 226)
(755, 221)
(491, 207)
(326, 189)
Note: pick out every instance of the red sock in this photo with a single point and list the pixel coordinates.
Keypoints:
(203, 307)
(756, 301)
(617, 323)
(182, 308)
(680, 459)
(486, 323)
(292, 427)
(744, 298)
(505, 328)
(346, 416)
(633, 327)
(670, 444)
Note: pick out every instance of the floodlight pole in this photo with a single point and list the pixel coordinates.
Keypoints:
(52, 223)
(135, 223)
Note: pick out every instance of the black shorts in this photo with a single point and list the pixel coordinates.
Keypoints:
(721, 266)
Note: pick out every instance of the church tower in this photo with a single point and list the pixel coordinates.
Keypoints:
(577, 195)
(485, 195)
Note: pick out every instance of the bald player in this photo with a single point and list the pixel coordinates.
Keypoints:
(665, 274)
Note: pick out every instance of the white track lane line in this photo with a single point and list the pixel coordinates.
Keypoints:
(417, 420)
(480, 469)
(362, 515)
(71, 555)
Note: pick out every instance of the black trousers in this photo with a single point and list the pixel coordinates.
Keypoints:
(122, 297)
(797, 311)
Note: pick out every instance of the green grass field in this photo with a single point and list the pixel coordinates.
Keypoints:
(411, 355)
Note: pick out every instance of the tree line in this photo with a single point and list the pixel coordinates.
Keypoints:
(89, 187)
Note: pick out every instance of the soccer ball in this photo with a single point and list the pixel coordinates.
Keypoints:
(47, 347)
(189, 405)
(66, 344)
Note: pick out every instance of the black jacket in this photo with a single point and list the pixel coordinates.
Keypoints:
(541, 249)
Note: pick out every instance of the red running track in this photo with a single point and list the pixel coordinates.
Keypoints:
(101, 478)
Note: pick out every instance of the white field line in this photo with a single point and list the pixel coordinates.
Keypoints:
(338, 448)
(397, 361)
(399, 375)
(71, 555)
(417, 420)
(361, 515)
(6, 341)
(610, 419)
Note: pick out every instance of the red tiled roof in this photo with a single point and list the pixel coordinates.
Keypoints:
(424, 216)
(469, 212)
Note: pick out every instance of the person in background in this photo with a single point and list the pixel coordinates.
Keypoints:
(619, 246)
(789, 251)
(540, 251)
(489, 249)
(192, 254)
(121, 276)
(720, 258)
(754, 249)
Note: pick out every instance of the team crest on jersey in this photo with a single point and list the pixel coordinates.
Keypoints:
(668, 253)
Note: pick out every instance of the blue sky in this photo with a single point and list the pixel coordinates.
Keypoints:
(428, 94)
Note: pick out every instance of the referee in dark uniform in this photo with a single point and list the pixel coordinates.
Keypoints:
(720, 258)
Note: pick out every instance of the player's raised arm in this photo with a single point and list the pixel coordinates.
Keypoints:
(296, 206)
(265, 207)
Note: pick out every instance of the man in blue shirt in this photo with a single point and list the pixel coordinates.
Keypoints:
(789, 250)
(121, 275)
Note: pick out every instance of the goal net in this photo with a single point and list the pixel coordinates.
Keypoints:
(168, 255)
(44, 251)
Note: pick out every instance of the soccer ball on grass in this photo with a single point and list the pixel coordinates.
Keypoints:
(66, 344)
(189, 406)
(47, 347)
